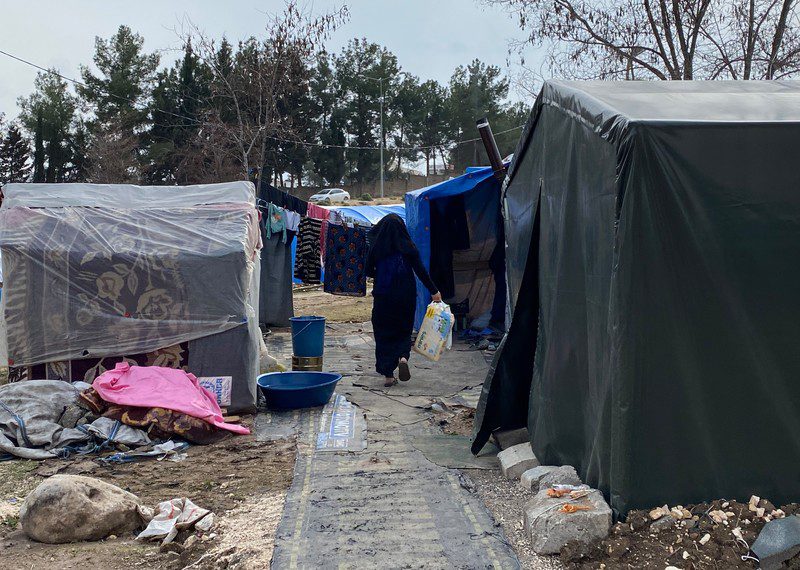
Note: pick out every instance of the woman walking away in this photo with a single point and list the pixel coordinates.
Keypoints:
(392, 261)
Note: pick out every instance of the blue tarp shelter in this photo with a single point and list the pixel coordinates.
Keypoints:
(475, 196)
(370, 214)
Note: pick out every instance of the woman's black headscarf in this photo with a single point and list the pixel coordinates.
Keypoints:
(388, 237)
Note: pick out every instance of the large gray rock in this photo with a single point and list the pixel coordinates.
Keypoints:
(545, 476)
(71, 508)
(549, 529)
(517, 459)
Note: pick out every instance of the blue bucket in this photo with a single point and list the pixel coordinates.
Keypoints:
(308, 336)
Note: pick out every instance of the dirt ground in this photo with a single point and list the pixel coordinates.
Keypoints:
(334, 308)
(640, 542)
(241, 480)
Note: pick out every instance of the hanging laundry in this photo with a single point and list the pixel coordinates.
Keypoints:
(320, 213)
(317, 212)
(276, 304)
(292, 221)
(308, 260)
(276, 221)
(345, 261)
(269, 193)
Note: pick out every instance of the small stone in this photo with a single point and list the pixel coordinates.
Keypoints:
(659, 512)
(663, 523)
(685, 555)
(190, 542)
(718, 517)
(705, 539)
(517, 459)
(112, 537)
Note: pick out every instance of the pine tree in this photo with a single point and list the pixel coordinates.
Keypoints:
(49, 113)
(14, 157)
(79, 148)
(38, 152)
(121, 90)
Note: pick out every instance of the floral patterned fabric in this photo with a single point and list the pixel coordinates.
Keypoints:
(345, 261)
(86, 283)
(87, 369)
(158, 423)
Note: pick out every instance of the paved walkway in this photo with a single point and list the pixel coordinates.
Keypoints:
(385, 506)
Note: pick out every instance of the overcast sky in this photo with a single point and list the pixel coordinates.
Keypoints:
(429, 37)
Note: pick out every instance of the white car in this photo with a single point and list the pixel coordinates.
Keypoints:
(330, 196)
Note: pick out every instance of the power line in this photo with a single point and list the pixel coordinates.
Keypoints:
(277, 139)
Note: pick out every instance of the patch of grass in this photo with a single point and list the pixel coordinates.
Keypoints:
(11, 521)
(16, 477)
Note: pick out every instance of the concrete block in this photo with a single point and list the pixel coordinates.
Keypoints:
(549, 529)
(510, 438)
(545, 476)
(515, 460)
(564, 475)
(530, 478)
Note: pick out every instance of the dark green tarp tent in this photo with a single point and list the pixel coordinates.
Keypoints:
(653, 261)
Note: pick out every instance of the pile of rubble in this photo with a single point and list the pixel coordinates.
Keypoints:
(562, 509)
(568, 518)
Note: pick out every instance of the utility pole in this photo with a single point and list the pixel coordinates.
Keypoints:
(380, 81)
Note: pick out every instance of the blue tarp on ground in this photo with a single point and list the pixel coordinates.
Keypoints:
(418, 215)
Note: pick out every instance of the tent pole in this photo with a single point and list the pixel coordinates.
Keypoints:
(491, 148)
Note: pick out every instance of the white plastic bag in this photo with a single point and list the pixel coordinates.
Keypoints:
(173, 516)
(436, 332)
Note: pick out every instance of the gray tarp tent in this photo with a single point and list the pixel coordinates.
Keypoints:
(653, 260)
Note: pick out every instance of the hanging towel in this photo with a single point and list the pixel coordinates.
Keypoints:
(345, 261)
(308, 260)
(276, 221)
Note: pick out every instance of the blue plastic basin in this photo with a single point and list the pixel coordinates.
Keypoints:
(290, 390)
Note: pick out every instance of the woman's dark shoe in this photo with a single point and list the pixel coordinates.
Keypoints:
(389, 382)
(403, 372)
